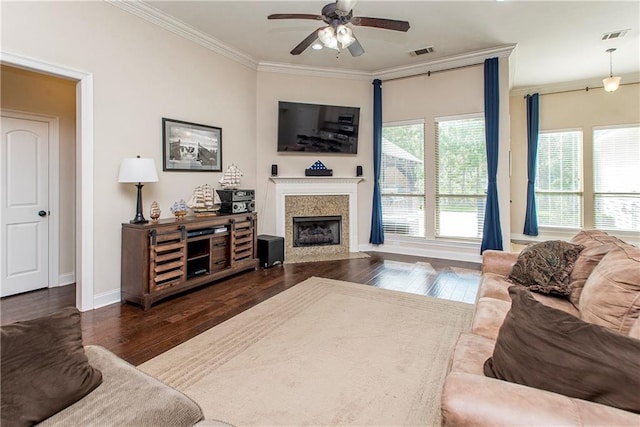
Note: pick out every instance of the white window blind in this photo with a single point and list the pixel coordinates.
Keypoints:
(559, 179)
(616, 178)
(402, 179)
(461, 177)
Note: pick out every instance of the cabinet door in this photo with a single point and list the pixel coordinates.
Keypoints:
(166, 259)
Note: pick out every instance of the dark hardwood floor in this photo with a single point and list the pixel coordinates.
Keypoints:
(137, 336)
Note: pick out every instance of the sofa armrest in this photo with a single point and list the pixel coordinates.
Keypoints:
(498, 262)
(475, 400)
(126, 397)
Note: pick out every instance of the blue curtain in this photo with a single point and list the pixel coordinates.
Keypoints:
(492, 233)
(533, 118)
(377, 231)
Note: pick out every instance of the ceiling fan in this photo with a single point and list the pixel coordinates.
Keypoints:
(337, 35)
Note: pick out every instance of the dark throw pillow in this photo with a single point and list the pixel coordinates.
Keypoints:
(546, 348)
(545, 267)
(44, 368)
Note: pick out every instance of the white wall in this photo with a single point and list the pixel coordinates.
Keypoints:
(141, 73)
(573, 110)
(274, 87)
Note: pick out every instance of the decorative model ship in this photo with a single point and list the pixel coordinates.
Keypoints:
(231, 178)
(179, 209)
(204, 201)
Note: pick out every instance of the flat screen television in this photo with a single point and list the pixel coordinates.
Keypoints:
(315, 128)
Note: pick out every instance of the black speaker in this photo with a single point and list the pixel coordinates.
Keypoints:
(274, 170)
(358, 170)
(270, 250)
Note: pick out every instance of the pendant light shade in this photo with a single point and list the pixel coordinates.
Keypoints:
(611, 83)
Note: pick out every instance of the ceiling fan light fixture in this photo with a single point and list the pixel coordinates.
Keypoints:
(328, 37)
(611, 83)
(316, 46)
(344, 35)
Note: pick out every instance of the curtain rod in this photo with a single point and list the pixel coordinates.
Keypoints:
(586, 89)
(428, 73)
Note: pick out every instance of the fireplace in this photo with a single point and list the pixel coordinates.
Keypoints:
(316, 230)
(314, 197)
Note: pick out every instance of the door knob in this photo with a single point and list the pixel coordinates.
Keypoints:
(42, 213)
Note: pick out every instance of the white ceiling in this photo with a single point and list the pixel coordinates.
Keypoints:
(557, 41)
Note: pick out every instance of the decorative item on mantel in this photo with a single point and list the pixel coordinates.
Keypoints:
(179, 209)
(155, 211)
(231, 178)
(318, 169)
(204, 201)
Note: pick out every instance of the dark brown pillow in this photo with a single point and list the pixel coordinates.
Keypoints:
(546, 348)
(44, 368)
(545, 267)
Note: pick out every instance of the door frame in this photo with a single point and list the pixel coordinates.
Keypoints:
(84, 168)
(53, 189)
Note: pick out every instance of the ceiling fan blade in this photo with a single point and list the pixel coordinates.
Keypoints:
(345, 5)
(305, 43)
(355, 48)
(387, 24)
(295, 16)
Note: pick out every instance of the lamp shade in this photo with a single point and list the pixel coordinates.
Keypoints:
(611, 83)
(138, 170)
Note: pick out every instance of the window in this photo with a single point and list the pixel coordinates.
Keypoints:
(616, 186)
(461, 177)
(402, 178)
(558, 179)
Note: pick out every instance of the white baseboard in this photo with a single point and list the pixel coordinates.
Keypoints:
(64, 280)
(430, 249)
(106, 298)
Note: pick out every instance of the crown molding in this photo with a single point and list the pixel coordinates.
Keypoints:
(161, 19)
(446, 63)
(302, 70)
(576, 85)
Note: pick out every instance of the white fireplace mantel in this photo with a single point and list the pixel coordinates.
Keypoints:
(311, 185)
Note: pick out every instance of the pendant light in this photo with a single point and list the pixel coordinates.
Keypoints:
(611, 83)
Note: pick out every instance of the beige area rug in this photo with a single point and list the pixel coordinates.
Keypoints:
(324, 352)
(325, 257)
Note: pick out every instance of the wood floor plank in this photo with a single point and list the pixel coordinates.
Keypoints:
(137, 336)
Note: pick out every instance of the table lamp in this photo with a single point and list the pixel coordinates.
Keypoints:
(138, 170)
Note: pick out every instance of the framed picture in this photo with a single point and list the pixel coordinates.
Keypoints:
(191, 147)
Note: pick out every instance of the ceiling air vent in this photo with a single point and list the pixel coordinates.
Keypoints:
(614, 34)
(423, 51)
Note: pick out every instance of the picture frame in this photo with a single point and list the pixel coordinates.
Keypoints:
(191, 147)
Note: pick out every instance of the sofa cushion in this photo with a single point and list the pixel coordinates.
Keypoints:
(611, 294)
(44, 367)
(545, 267)
(545, 348)
(597, 244)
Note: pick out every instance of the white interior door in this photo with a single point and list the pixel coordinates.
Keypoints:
(24, 186)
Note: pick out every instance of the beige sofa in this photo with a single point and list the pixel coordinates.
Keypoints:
(605, 290)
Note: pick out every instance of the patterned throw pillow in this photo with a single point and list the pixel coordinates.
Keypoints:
(545, 267)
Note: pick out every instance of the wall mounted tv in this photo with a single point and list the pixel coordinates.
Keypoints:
(314, 128)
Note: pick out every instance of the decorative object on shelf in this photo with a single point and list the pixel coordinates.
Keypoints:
(179, 209)
(231, 178)
(191, 147)
(318, 169)
(204, 201)
(138, 170)
(155, 211)
(611, 83)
